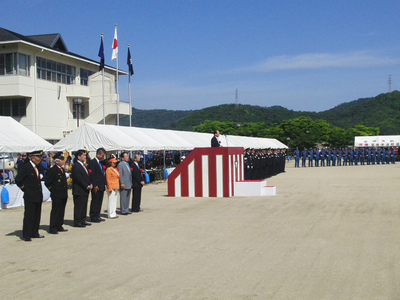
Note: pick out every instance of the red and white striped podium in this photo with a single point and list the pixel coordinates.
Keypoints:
(208, 172)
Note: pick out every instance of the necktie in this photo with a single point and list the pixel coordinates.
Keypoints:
(101, 167)
(37, 172)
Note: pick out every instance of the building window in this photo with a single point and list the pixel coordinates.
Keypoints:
(15, 107)
(54, 71)
(85, 76)
(14, 64)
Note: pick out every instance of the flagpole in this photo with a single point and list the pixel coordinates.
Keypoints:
(104, 109)
(116, 26)
(130, 98)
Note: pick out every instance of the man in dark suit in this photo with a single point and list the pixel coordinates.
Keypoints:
(214, 141)
(56, 181)
(28, 180)
(137, 183)
(98, 179)
(81, 186)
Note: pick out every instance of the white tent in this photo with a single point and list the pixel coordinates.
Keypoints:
(15, 137)
(112, 138)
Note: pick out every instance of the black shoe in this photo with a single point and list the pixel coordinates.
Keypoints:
(102, 220)
(62, 229)
(53, 231)
(95, 221)
(38, 236)
(79, 225)
(87, 224)
(26, 239)
(125, 214)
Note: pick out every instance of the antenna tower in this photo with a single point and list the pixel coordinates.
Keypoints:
(236, 98)
(390, 83)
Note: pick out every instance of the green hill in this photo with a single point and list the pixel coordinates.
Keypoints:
(155, 118)
(382, 111)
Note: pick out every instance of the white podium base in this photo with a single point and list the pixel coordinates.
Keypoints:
(254, 188)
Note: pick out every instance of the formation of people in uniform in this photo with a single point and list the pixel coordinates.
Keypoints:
(95, 176)
(263, 163)
(315, 157)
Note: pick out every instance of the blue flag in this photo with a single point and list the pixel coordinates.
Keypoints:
(129, 62)
(101, 54)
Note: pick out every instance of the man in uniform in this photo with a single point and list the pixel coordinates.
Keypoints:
(296, 155)
(316, 157)
(322, 156)
(56, 181)
(310, 155)
(303, 157)
(28, 180)
(246, 159)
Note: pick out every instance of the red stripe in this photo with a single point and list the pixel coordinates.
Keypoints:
(198, 182)
(185, 182)
(171, 187)
(212, 172)
(225, 175)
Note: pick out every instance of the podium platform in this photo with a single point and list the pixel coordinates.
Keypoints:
(254, 188)
(214, 172)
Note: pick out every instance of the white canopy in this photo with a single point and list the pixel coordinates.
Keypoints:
(14, 137)
(112, 137)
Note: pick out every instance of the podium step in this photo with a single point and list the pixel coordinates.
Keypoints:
(254, 188)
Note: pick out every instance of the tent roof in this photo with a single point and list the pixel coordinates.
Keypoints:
(17, 138)
(112, 137)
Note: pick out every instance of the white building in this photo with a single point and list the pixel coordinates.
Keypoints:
(377, 141)
(40, 78)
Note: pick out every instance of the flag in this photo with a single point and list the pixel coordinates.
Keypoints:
(129, 62)
(115, 45)
(101, 54)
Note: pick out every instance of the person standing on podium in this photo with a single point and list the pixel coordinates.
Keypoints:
(215, 142)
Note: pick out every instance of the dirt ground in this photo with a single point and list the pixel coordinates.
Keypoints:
(329, 233)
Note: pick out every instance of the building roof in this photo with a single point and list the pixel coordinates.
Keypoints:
(53, 42)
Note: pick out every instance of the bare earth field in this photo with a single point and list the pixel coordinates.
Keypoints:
(330, 233)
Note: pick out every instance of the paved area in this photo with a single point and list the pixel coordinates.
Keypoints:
(330, 233)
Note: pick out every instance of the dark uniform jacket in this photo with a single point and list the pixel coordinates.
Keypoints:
(56, 182)
(28, 181)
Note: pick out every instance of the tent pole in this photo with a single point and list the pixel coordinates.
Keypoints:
(164, 164)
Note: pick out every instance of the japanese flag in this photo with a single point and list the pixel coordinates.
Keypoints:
(115, 46)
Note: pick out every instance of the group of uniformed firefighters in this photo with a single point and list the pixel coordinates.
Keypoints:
(261, 164)
(344, 156)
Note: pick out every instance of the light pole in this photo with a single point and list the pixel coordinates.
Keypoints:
(78, 102)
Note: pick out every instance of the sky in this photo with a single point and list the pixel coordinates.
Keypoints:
(305, 55)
